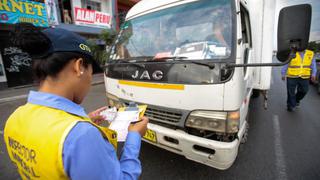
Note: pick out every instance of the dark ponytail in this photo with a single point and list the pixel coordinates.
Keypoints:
(38, 46)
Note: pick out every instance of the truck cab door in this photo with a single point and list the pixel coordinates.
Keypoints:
(246, 51)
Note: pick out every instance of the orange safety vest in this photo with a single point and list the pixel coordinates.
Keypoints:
(35, 136)
(299, 67)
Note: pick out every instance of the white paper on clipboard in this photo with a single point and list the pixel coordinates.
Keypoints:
(121, 123)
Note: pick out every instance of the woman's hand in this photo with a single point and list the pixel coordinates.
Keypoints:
(140, 127)
(96, 117)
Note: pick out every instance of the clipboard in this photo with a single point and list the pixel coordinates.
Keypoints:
(134, 107)
(126, 116)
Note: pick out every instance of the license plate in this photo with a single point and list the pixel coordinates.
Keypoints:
(151, 136)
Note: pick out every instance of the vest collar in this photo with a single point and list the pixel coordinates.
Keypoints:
(57, 102)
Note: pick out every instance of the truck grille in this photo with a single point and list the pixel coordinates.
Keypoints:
(163, 116)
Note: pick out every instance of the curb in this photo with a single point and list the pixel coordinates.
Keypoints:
(13, 98)
(97, 83)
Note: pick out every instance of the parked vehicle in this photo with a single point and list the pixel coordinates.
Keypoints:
(179, 58)
(318, 73)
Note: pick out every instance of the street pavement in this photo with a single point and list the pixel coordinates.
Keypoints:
(281, 145)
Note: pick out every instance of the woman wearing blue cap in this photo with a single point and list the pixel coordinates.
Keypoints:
(51, 136)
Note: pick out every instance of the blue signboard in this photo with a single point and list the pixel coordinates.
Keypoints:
(15, 11)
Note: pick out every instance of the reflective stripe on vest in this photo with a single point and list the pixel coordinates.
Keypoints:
(35, 136)
(299, 67)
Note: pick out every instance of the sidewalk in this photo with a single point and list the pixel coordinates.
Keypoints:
(15, 93)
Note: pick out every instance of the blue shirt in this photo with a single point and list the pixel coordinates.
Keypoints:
(86, 154)
(313, 66)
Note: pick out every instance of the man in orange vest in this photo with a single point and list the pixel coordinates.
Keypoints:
(298, 73)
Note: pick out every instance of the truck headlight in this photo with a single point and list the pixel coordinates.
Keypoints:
(114, 101)
(224, 122)
(233, 122)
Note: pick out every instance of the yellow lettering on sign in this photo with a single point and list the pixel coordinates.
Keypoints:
(16, 6)
(4, 5)
(39, 9)
(27, 20)
(22, 7)
(29, 8)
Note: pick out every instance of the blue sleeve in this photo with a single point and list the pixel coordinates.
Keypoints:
(284, 70)
(314, 67)
(87, 155)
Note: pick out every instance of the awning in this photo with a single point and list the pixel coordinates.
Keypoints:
(80, 29)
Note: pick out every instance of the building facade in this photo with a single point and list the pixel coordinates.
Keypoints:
(15, 65)
(85, 17)
(122, 7)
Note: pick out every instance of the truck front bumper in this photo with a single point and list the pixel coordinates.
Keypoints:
(220, 155)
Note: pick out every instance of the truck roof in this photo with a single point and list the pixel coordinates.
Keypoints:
(147, 6)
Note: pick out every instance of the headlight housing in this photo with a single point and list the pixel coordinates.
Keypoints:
(114, 101)
(223, 122)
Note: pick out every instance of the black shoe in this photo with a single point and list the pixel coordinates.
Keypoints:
(297, 104)
(290, 109)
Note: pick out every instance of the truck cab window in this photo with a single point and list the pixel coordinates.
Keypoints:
(246, 34)
(245, 26)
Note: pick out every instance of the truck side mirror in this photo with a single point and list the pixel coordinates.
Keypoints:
(293, 29)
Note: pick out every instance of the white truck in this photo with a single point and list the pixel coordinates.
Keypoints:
(178, 57)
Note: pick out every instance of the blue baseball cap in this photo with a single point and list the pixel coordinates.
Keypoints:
(66, 41)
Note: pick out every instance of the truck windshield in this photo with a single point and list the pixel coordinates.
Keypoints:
(199, 30)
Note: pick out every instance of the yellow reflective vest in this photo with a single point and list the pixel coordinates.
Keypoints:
(35, 135)
(299, 67)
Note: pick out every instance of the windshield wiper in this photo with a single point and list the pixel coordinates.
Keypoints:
(184, 60)
(118, 61)
(140, 57)
(171, 58)
(141, 60)
(137, 58)
(209, 65)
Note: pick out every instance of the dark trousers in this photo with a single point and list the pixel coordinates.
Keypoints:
(297, 88)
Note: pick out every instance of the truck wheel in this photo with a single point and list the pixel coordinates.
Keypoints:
(319, 87)
(255, 93)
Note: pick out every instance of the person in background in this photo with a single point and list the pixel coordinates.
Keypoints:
(51, 136)
(217, 35)
(221, 27)
(298, 73)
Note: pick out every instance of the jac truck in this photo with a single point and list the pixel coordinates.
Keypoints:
(196, 64)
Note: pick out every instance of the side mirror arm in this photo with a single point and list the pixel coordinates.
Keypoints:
(291, 56)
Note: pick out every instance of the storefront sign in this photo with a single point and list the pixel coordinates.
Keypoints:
(15, 11)
(91, 18)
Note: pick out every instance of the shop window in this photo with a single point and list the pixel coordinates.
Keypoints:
(65, 11)
(92, 5)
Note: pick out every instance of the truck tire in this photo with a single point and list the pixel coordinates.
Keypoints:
(255, 93)
(319, 88)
